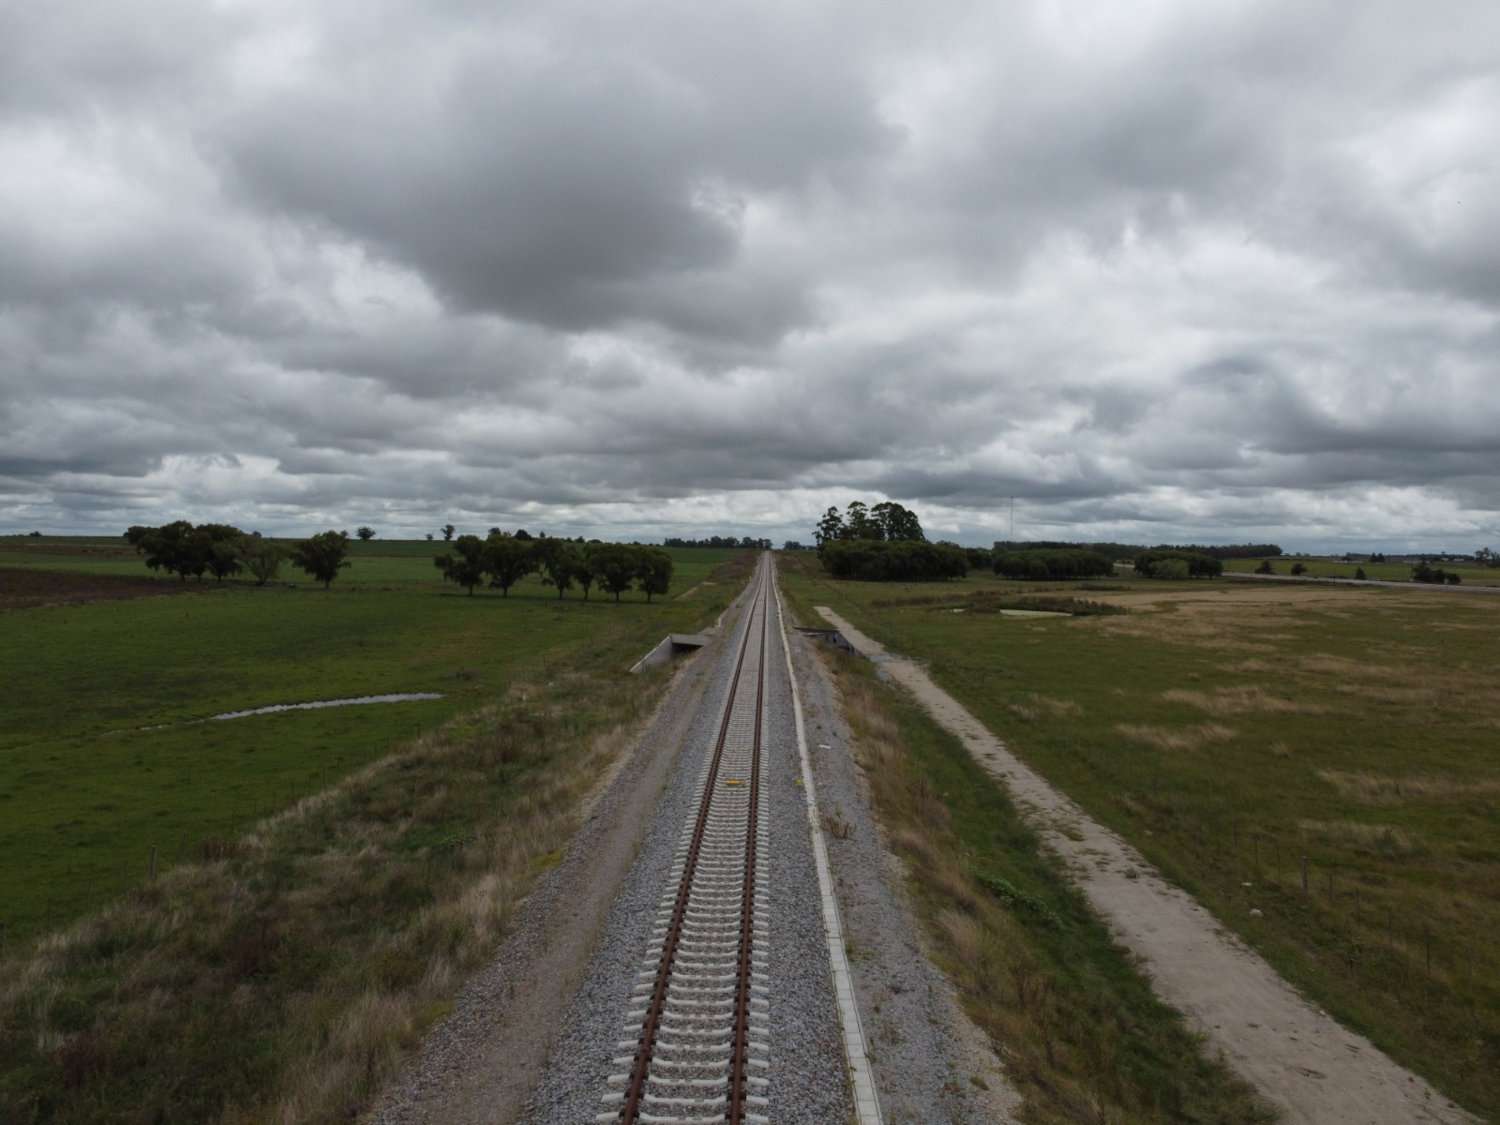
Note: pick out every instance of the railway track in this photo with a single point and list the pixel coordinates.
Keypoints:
(696, 1036)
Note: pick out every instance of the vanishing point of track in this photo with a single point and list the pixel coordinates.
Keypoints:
(696, 1030)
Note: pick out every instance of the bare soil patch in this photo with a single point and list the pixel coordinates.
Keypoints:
(23, 588)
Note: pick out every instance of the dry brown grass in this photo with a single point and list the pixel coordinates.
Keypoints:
(1177, 738)
(1035, 707)
(1241, 699)
(1380, 789)
(1372, 839)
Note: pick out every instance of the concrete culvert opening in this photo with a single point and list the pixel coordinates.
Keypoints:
(669, 648)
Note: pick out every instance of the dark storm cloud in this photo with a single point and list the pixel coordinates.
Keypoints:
(1167, 270)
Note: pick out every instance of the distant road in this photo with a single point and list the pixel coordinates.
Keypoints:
(1475, 589)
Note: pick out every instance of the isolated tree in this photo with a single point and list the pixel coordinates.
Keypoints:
(222, 546)
(448, 529)
(1299, 569)
(429, 537)
(583, 570)
(262, 558)
(175, 548)
(1265, 567)
(509, 559)
(365, 534)
(323, 555)
(615, 567)
(558, 561)
(468, 563)
(654, 571)
(1359, 573)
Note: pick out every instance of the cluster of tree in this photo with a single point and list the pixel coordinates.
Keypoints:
(1172, 563)
(744, 542)
(183, 548)
(876, 560)
(1042, 563)
(504, 560)
(1436, 575)
(885, 522)
(980, 558)
(793, 545)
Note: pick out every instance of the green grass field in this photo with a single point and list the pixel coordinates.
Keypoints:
(1228, 730)
(86, 794)
(1385, 572)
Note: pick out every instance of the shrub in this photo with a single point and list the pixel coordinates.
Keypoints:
(1163, 564)
(873, 560)
(1299, 569)
(1265, 567)
(1052, 563)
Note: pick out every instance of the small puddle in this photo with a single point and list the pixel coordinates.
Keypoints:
(318, 704)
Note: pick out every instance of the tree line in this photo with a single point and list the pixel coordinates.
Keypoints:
(223, 550)
(503, 560)
(1128, 552)
(874, 560)
(723, 542)
(1047, 563)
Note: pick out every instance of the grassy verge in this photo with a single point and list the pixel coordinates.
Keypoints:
(1240, 736)
(281, 974)
(1082, 1036)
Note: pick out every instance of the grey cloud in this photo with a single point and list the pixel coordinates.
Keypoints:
(1184, 272)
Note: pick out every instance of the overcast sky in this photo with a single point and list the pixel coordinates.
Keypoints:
(1159, 270)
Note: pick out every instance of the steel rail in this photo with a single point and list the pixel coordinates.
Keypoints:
(640, 1071)
(739, 1078)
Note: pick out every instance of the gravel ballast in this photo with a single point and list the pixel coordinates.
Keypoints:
(482, 1062)
(807, 1074)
